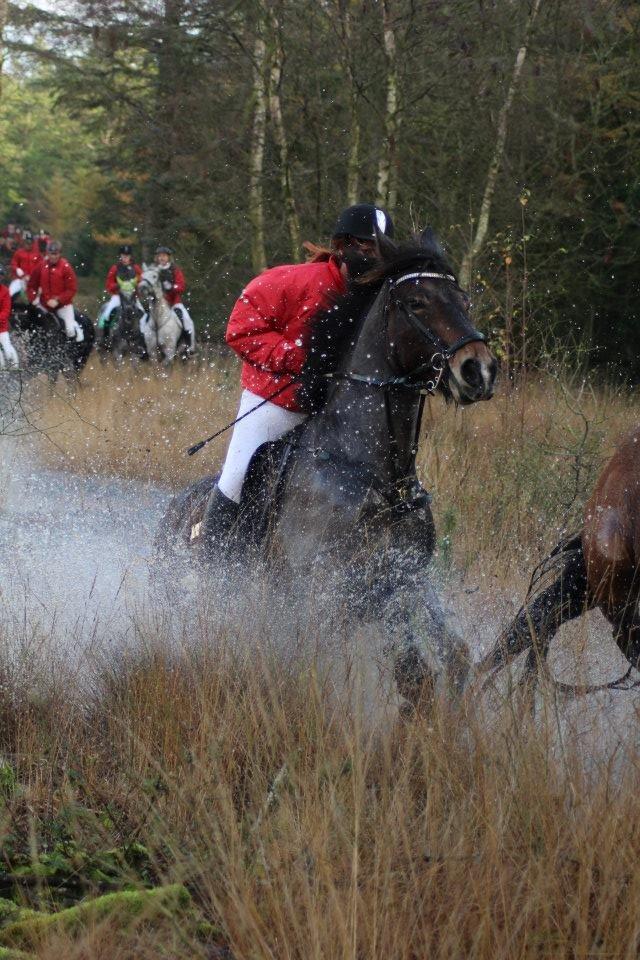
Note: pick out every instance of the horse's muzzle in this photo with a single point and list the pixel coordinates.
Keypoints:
(474, 379)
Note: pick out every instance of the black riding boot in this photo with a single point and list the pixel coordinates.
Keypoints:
(218, 523)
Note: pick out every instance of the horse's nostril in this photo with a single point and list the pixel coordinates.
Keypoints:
(472, 372)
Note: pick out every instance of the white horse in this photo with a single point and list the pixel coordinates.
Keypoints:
(161, 329)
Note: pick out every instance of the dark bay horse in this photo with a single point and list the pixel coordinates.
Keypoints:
(351, 516)
(46, 348)
(125, 338)
(598, 567)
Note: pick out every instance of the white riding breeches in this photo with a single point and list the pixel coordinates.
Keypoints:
(109, 307)
(185, 317)
(72, 329)
(68, 317)
(8, 355)
(19, 285)
(269, 422)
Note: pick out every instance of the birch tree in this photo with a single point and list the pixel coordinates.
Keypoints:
(256, 158)
(498, 151)
(346, 10)
(280, 137)
(386, 190)
(4, 13)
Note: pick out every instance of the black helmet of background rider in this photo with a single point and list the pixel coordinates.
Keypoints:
(125, 253)
(355, 235)
(26, 239)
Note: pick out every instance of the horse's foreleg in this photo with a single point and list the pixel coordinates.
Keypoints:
(428, 652)
(538, 621)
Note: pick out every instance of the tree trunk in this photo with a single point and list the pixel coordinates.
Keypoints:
(498, 152)
(386, 192)
(353, 160)
(256, 159)
(280, 136)
(4, 13)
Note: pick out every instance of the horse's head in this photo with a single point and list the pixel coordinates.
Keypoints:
(149, 286)
(431, 336)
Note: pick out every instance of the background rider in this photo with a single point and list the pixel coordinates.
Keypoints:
(7, 348)
(23, 262)
(123, 276)
(173, 286)
(53, 286)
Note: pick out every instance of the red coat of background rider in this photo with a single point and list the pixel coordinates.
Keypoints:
(54, 282)
(25, 260)
(174, 295)
(269, 324)
(5, 308)
(111, 285)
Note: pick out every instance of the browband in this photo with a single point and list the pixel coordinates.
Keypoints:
(423, 274)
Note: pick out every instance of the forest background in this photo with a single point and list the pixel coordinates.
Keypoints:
(233, 130)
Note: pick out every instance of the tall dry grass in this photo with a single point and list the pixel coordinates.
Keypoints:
(508, 476)
(302, 829)
(302, 824)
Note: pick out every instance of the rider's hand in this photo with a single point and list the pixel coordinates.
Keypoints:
(19, 272)
(167, 285)
(53, 303)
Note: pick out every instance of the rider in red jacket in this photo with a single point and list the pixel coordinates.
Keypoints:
(268, 328)
(173, 287)
(52, 286)
(8, 355)
(23, 263)
(123, 276)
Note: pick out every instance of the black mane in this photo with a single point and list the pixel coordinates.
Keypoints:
(334, 330)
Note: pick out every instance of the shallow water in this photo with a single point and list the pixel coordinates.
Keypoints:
(75, 550)
(76, 557)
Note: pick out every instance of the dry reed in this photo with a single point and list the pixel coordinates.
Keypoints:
(302, 826)
(302, 829)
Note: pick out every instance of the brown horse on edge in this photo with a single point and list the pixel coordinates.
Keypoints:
(599, 567)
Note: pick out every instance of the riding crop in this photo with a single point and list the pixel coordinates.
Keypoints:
(198, 446)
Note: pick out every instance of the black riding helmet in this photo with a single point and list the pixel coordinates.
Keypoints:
(126, 250)
(363, 221)
(167, 250)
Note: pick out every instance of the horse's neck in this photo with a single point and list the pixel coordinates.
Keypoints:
(162, 312)
(362, 425)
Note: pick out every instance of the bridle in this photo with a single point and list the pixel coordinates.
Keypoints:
(440, 359)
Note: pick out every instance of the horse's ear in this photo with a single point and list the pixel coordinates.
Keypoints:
(386, 246)
(430, 242)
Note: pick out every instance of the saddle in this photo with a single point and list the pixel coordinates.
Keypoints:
(264, 485)
(261, 492)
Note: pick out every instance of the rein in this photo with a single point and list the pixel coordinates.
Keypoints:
(439, 362)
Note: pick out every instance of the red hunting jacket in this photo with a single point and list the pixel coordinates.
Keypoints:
(57, 282)
(25, 260)
(5, 308)
(179, 286)
(269, 324)
(111, 284)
